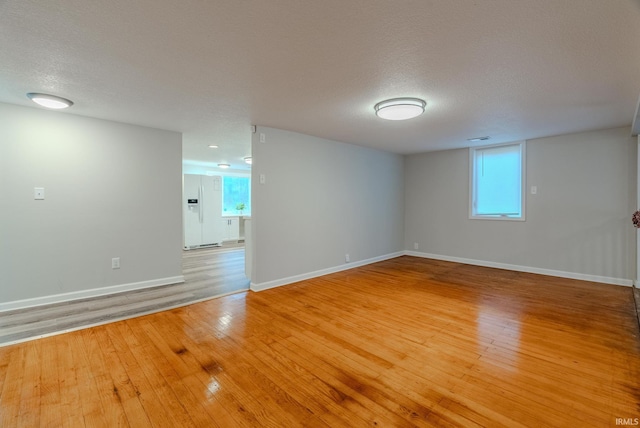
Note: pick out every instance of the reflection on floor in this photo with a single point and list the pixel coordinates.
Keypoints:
(636, 294)
(208, 273)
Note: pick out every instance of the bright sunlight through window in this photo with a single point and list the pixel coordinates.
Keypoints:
(236, 196)
(497, 182)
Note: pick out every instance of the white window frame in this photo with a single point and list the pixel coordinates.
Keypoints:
(523, 184)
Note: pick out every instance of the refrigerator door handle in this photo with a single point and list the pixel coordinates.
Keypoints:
(200, 195)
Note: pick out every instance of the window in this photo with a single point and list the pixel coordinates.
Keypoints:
(497, 182)
(236, 195)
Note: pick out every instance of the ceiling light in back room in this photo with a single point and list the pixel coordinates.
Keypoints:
(213, 146)
(49, 101)
(248, 160)
(223, 165)
(400, 108)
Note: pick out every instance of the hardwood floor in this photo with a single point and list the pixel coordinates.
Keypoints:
(636, 295)
(208, 273)
(404, 342)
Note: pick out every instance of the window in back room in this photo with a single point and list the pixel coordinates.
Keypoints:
(236, 196)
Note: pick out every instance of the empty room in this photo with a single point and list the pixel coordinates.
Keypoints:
(319, 213)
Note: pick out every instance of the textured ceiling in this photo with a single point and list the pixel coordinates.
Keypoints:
(209, 68)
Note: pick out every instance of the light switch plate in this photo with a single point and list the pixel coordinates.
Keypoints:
(38, 193)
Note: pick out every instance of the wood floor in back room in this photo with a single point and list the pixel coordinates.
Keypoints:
(208, 272)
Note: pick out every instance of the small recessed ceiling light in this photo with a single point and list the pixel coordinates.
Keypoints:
(213, 146)
(478, 139)
(248, 160)
(400, 108)
(223, 165)
(49, 101)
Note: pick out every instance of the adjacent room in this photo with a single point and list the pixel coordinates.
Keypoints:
(330, 214)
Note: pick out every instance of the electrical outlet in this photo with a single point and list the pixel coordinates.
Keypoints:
(38, 193)
(346, 258)
(263, 137)
(115, 263)
(416, 246)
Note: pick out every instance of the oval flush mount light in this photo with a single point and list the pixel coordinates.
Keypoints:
(213, 146)
(400, 108)
(477, 139)
(223, 165)
(248, 160)
(49, 101)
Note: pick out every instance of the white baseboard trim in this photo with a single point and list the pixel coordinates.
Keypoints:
(85, 294)
(518, 268)
(528, 269)
(296, 278)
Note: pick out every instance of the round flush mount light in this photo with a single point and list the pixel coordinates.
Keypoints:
(223, 165)
(248, 160)
(213, 146)
(49, 101)
(400, 108)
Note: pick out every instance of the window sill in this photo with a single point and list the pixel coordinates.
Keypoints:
(492, 217)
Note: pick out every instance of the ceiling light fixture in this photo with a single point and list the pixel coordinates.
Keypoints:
(248, 160)
(223, 165)
(213, 146)
(478, 139)
(400, 108)
(49, 101)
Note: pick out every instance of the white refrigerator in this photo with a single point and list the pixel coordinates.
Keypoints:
(202, 196)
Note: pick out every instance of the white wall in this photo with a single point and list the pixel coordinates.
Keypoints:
(111, 190)
(321, 200)
(578, 224)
